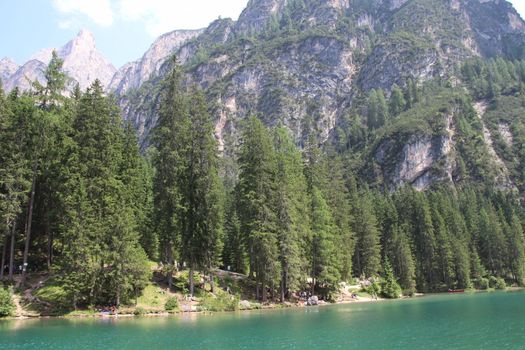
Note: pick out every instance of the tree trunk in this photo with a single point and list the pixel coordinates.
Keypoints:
(283, 286)
(4, 253)
(28, 230)
(170, 266)
(252, 263)
(191, 280)
(263, 288)
(12, 252)
(49, 250)
(212, 282)
(49, 234)
(117, 299)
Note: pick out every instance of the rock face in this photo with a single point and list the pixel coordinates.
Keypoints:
(311, 62)
(82, 62)
(134, 74)
(288, 60)
(7, 68)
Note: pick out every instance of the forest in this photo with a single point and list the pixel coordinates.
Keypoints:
(79, 199)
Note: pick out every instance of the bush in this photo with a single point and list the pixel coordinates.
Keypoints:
(374, 289)
(220, 302)
(6, 303)
(172, 304)
(493, 281)
(481, 283)
(500, 284)
(139, 311)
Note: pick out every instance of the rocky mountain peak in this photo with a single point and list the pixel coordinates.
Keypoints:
(133, 74)
(84, 41)
(82, 62)
(257, 14)
(7, 68)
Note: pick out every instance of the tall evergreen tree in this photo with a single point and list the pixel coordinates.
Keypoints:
(257, 198)
(367, 257)
(397, 101)
(170, 139)
(200, 189)
(323, 255)
(292, 211)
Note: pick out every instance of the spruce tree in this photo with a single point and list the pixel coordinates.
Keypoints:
(397, 101)
(257, 199)
(323, 255)
(201, 192)
(292, 211)
(367, 257)
(170, 139)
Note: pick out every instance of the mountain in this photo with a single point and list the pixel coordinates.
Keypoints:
(134, 74)
(7, 68)
(294, 61)
(315, 64)
(82, 62)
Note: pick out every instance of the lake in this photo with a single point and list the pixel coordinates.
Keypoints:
(462, 321)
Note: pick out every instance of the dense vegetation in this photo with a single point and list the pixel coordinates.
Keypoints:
(78, 199)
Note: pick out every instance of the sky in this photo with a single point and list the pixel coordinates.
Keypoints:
(123, 29)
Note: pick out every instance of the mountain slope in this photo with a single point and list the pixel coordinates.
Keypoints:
(82, 62)
(285, 60)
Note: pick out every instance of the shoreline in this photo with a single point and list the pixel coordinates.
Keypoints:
(268, 307)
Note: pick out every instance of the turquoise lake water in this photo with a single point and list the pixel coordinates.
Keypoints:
(467, 321)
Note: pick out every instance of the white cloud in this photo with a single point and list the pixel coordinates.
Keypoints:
(99, 11)
(161, 16)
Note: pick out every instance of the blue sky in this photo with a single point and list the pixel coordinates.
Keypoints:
(123, 29)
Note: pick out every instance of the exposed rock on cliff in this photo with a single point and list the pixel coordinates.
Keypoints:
(82, 62)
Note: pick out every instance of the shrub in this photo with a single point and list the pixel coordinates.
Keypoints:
(220, 302)
(172, 304)
(493, 281)
(500, 284)
(481, 283)
(6, 303)
(374, 289)
(139, 311)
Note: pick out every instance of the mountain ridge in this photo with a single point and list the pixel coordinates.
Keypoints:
(82, 62)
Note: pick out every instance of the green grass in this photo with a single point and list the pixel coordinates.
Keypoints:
(153, 299)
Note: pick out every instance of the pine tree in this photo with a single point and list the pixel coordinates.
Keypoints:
(292, 211)
(100, 233)
(234, 252)
(257, 198)
(516, 249)
(403, 261)
(367, 257)
(323, 256)
(170, 141)
(383, 114)
(389, 286)
(18, 120)
(372, 110)
(337, 196)
(425, 244)
(200, 189)
(397, 101)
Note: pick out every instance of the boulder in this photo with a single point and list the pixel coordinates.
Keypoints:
(312, 301)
